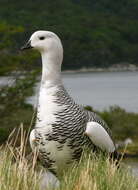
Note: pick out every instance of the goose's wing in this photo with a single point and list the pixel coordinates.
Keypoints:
(99, 136)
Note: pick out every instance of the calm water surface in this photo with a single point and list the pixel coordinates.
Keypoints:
(97, 89)
(104, 89)
(101, 89)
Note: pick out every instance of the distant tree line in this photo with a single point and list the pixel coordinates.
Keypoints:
(94, 33)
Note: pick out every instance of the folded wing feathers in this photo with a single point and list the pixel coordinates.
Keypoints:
(99, 136)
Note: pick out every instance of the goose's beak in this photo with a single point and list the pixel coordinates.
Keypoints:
(27, 46)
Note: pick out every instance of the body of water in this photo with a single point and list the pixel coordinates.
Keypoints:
(101, 89)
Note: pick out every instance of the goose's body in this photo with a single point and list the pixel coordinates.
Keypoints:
(61, 123)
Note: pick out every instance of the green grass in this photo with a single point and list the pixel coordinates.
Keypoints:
(93, 172)
(123, 124)
(16, 176)
(98, 173)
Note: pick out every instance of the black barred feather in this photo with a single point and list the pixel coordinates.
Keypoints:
(69, 129)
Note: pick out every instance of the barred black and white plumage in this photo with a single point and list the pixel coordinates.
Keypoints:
(59, 134)
(68, 130)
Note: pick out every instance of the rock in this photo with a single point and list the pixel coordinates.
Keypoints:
(48, 181)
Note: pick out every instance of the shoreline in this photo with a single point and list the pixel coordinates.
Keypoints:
(115, 68)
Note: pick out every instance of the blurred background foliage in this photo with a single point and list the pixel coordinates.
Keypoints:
(13, 109)
(94, 33)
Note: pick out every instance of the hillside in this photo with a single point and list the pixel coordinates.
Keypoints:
(94, 33)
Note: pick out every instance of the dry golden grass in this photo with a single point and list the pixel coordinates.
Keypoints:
(92, 173)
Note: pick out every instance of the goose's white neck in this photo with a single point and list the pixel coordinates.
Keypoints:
(51, 69)
(51, 79)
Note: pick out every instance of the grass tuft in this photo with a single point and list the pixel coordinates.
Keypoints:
(93, 172)
(98, 173)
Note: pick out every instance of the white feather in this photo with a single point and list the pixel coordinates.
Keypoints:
(60, 157)
(52, 55)
(99, 137)
(47, 106)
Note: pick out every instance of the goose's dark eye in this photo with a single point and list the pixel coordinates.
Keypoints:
(41, 38)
